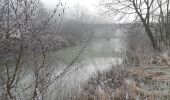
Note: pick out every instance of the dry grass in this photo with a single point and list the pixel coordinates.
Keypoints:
(137, 83)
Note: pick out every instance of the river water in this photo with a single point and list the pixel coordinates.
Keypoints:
(100, 54)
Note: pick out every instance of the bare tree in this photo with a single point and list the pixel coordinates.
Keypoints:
(144, 10)
(19, 28)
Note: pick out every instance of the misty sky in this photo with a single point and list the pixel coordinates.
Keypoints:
(91, 5)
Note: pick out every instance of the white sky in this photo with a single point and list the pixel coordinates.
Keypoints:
(89, 4)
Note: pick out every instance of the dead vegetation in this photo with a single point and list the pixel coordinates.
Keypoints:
(162, 59)
(137, 83)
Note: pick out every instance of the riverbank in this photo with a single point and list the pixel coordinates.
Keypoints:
(144, 82)
(93, 58)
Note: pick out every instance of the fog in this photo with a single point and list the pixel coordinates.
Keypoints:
(90, 4)
(90, 7)
(84, 49)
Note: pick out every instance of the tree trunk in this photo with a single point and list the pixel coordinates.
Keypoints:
(151, 37)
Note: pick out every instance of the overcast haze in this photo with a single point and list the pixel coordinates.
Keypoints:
(84, 49)
(89, 4)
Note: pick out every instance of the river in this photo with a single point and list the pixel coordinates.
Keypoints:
(100, 54)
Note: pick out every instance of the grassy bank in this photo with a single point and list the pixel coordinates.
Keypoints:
(137, 83)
